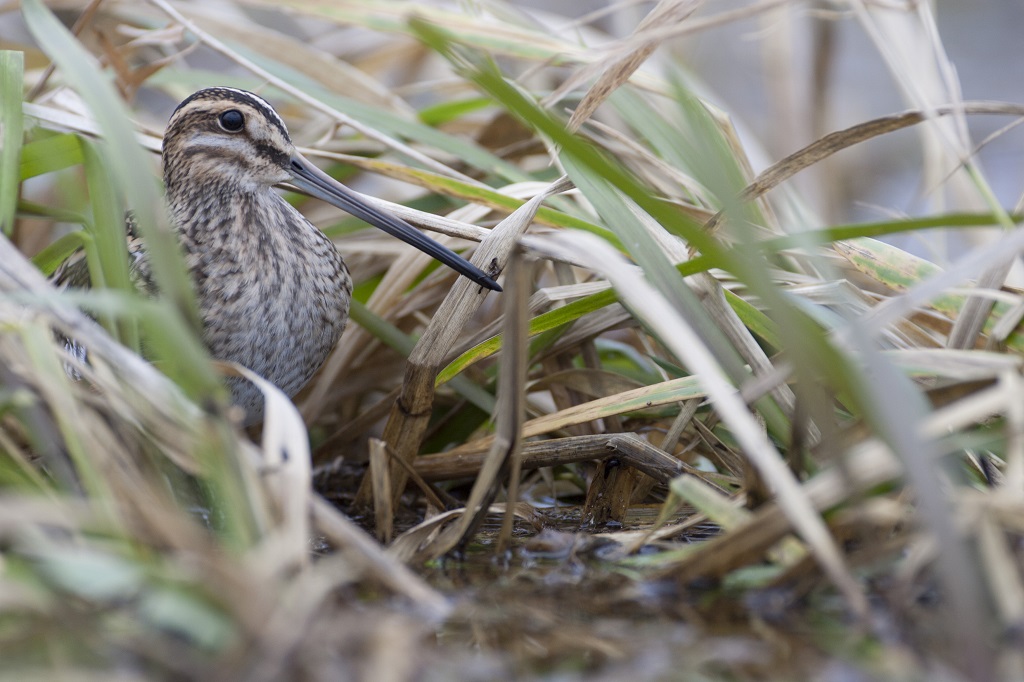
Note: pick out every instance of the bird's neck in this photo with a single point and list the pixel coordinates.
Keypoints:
(216, 211)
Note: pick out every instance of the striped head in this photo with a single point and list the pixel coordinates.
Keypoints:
(222, 142)
(225, 136)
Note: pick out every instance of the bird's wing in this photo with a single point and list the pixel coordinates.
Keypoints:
(73, 273)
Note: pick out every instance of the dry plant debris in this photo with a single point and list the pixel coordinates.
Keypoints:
(705, 432)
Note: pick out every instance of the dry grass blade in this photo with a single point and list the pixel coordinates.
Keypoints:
(409, 417)
(511, 407)
(1003, 576)
(502, 462)
(60, 119)
(364, 551)
(285, 475)
(618, 69)
(419, 544)
(780, 171)
(283, 85)
(380, 476)
(891, 310)
(728, 513)
(630, 448)
(654, 395)
(977, 309)
(659, 316)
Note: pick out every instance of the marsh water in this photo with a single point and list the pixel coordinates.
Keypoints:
(566, 604)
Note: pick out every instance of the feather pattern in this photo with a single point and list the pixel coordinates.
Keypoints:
(273, 292)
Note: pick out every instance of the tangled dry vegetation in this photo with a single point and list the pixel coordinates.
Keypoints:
(774, 425)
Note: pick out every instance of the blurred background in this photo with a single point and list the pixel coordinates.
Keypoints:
(786, 76)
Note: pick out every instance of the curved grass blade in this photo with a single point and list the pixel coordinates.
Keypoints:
(446, 112)
(754, 320)
(839, 233)
(899, 270)
(57, 252)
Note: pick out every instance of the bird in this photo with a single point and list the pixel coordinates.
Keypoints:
(273, 291)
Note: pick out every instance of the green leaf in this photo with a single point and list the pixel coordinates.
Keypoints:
(91, 574)
(107, 252)
(188, 615)
(553, 319)
(49, 154)
(840, 233)
(55, 213)
(56, 253)
(445, 112)
(12, 66)
(900, 270)
(395, 338)
(754, 319)
(542, 323)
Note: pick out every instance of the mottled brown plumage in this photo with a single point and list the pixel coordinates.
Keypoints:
(272, 290)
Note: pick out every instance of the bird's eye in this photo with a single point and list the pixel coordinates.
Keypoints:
(232, 120)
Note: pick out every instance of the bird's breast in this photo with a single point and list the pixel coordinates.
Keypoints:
(273, 294)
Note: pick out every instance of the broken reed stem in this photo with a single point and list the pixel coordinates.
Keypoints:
(512, 382)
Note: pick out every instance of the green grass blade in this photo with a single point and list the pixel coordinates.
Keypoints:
(477, 194)
(446, 112)
(900, 271)
(538, 325)
(49, 154)
(553, 319)
(12, 67)
(123, 158)
(57, 252)
(109, 248)
(839, 233)
(395, 338)
(754, 320)
(54, 213)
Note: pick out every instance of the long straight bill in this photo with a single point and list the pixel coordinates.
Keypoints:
(315, 182)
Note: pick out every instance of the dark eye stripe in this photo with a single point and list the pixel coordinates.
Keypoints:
(269, 151)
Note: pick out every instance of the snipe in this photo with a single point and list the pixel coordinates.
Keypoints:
(273, 292)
